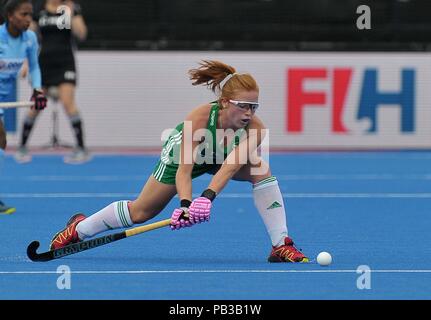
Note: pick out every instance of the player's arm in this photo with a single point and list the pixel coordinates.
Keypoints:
(239, 156)
(200, 209)
(196, 120)
(79, 27)
(25, 68)
(38, 97)
(33, 62)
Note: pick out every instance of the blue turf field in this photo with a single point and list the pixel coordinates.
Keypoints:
(364, 208)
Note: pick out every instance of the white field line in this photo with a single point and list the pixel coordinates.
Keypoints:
(210, 271)
(223, 195)
(288, 177)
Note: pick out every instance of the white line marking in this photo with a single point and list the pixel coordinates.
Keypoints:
(355, 177)
(81, 178)
(224, 195)
(358, 155)
(68, 195)
(336, 195)
(287, 177)
(210, 271)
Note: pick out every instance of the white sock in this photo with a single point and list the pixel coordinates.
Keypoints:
(269, 201)
(114, 216)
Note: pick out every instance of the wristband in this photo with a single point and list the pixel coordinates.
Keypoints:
(185, 203)
(209, 194)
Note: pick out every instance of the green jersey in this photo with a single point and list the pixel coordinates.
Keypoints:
(210, 156)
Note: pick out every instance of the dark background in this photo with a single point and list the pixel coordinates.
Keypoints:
(256, 25)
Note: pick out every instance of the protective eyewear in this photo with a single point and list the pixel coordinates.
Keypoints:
(245, 105)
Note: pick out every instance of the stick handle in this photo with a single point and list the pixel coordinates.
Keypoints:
(148, 227)
(19, 104)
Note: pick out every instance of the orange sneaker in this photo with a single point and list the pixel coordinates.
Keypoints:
(68, 235)
(287, 253)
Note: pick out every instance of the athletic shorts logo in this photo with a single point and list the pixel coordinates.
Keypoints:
(69, 75)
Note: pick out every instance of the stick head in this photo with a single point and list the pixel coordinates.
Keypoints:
(31, 250)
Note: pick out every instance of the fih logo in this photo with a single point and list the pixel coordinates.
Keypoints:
(370, 97)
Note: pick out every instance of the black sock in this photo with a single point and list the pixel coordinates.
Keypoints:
(26, 130)
(77, 129)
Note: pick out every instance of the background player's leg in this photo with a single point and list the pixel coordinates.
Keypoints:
(267, 199)
(2, 134)
(22, 154)
(120, 214)
(66, 93)
(4, 209)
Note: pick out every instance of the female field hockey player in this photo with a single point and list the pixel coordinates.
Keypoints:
(57, 61)
(17, 44)
(184, 158)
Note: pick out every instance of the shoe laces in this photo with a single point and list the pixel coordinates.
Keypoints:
(289, 251)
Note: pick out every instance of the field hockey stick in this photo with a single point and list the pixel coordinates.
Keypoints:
(19, 104)
(89, 244)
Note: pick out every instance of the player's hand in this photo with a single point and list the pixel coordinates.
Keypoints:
(180, 219)
(40, 101)
(200, 210)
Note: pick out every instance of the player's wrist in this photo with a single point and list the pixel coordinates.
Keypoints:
(209, 194)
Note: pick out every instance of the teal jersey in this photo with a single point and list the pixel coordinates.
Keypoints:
(13, 52)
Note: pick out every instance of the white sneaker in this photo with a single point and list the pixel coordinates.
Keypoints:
(77, 156)
(22, 155)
